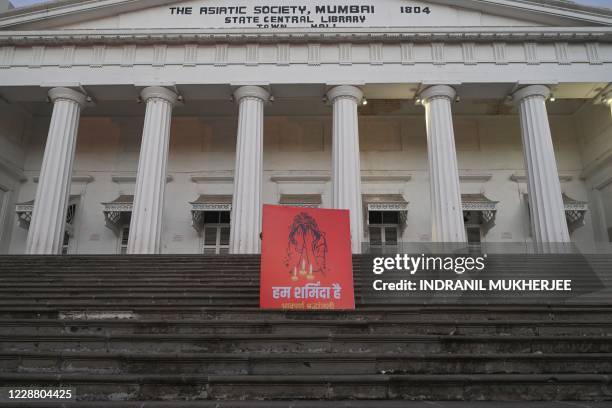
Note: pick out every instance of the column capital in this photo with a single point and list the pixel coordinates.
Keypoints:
(67, 94)
(159, 92)
(531, 90)
(438, 91)
(345, 91)
(250, 91)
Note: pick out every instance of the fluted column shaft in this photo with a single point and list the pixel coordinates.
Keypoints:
(46, 233)
(146, 224)
(545, 200)
(446, 211)
(245, 224)
(346, 163)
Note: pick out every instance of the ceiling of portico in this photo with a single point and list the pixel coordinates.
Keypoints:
(188, 14)
(300, 99)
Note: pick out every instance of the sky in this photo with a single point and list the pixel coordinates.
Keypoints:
(601, 3)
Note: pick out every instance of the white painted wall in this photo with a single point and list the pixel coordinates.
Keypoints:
(301, 145)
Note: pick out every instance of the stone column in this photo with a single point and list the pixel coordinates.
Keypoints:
(146, 224)
(46, 233)
(346, 167)
(545, 200)
(446, 211)
(246, 208)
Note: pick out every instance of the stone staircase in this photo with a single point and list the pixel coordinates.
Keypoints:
(188, 328)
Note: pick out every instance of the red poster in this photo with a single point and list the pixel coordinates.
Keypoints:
(306, 261)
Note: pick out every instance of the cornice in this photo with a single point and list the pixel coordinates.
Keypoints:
(522, 178)
(125, 179)
(217, 179)
(365, 35)
(76, 178)
(300, 178)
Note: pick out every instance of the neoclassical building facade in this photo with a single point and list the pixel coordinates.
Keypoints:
(147, 127)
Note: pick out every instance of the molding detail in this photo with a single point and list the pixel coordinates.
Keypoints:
(68, 56)
(37, 57)
(345, 91)
(128, 55)
(158, 92)
(6, 56)
(437, 53)
(132, 179)
(298, 178)
(281, 51)
(475, 177)
(407, 53)
(387, 35)
(314, 54)
(522, 178)
(376, 54)
(405, 178)
(439, 91)
(82, 178)
(301, 200)
(593, 53)
(250, 91)
(159, 55)
(191, 55)
(529, 91)
(469, 53)
(499, 53)
(345, 51)
(252, 54)
(212, 179)
(98, 55)
(531, 53)
(283, 54)
(562, 53)
(68, 95)
(221, 53)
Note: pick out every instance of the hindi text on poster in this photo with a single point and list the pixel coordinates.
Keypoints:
(306, 261)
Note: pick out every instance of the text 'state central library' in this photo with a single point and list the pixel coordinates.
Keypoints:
(161, 127)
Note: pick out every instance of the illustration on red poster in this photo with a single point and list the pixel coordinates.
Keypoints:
(306, 261)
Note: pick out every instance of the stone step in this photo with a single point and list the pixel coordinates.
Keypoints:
(247, 300)
(433, 312)
(302, 364)
(321, 326)
(306, 404)
(326, 387)
(134, 299)
(307, 343)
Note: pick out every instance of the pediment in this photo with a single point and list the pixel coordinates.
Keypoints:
(270, 15)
